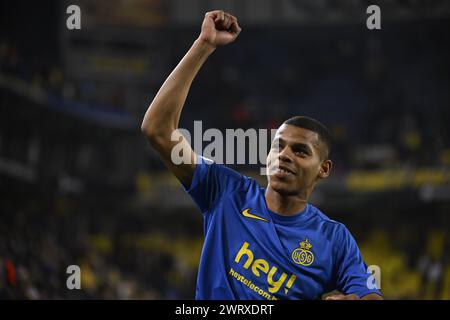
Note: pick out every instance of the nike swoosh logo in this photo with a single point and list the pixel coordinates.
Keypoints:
(246, 213)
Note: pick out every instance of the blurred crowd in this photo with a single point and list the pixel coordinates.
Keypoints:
(413, 261)
(128, 256)
(45, 74)
(38, 244)
(384, 95)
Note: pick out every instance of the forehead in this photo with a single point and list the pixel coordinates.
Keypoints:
(294, 134)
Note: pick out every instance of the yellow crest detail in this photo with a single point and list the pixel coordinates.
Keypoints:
(305, 245)
(303, 254)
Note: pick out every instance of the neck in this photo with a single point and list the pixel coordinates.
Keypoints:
(286, 205)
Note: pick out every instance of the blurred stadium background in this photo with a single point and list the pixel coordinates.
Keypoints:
(80, 185)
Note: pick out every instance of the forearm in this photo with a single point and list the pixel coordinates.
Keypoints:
(372, 296)
(164, 112)
(161, 119)
(341, 296)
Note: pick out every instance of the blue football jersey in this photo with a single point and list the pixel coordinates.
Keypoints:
(251, 252)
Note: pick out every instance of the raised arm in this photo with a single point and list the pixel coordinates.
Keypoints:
(163, 115)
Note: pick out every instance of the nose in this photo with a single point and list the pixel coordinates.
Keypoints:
(284, 155)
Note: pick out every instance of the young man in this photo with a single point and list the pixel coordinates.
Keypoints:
(259, 243)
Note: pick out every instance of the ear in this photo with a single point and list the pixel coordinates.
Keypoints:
(325, 169)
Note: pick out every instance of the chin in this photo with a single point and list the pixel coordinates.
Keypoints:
(282, 188)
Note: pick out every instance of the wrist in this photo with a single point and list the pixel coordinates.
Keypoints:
(204, 46)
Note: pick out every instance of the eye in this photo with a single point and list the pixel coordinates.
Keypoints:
(277, 146)
(301, 152)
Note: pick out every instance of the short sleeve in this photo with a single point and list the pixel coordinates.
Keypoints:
(352, 275)
(210, 182)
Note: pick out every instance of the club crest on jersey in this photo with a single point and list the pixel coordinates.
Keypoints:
(303, 255)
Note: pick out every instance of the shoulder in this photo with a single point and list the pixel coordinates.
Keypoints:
(224, 175)
(325, 219)
(335, 229)
(340, 236)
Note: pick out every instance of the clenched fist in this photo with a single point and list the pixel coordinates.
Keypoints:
(219, 28)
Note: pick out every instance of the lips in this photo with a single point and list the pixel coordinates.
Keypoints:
(282, 171)
(285, 169)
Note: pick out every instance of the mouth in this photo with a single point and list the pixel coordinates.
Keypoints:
(281, 171)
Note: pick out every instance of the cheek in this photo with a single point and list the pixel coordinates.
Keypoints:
(270, 158)
(310, 168)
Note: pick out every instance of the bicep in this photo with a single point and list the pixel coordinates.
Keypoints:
(352, 274)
